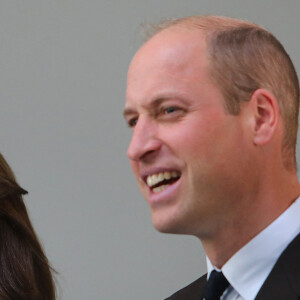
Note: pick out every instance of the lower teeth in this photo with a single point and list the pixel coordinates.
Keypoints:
(160, 188)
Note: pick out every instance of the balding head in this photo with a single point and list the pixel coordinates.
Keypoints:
(243, 58)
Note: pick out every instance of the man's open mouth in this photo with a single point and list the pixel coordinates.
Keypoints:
(159, 181)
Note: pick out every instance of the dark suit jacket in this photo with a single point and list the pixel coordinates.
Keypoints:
(283, 283)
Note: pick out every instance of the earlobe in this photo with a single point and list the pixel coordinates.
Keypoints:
(266, 116)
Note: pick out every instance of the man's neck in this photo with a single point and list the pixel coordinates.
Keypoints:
(233, 235)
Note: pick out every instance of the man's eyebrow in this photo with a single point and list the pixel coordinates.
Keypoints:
(152, 103)
(128, 111)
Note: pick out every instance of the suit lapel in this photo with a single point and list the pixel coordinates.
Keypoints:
(284, 280)
(282, 283)
(193, 291)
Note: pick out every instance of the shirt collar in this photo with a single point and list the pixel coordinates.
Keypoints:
(248, 268)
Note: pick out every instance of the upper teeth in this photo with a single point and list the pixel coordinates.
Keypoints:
(159, 177)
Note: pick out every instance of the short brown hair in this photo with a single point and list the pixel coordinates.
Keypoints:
(244, 57)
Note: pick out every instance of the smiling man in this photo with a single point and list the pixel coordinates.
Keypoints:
(213, 107)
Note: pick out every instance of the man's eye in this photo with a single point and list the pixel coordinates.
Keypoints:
(132, 122)
(170, 110)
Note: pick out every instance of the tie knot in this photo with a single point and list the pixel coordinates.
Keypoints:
(215, 286)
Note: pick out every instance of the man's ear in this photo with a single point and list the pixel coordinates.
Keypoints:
(266, 116)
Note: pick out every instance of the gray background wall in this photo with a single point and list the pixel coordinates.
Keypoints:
(62, 80)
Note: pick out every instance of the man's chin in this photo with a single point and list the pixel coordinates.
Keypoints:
(170, 225)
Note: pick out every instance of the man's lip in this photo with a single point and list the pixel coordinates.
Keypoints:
(148, 172)
(165, 196)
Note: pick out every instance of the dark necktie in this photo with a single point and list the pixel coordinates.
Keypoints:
(215, 286)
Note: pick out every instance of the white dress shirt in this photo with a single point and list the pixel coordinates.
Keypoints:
(248, 269)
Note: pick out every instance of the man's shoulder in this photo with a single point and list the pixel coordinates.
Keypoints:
(192, 291)
(284, 279)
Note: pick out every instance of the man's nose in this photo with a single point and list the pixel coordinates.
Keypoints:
(144, 140)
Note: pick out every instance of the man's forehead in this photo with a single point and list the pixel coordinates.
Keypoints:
(173, 61)
(172, 48)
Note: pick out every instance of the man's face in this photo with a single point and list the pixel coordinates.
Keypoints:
(186, 151)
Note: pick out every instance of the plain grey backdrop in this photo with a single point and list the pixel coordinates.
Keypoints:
(63, 67)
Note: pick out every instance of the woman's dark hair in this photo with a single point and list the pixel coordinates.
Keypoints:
(24, 269)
